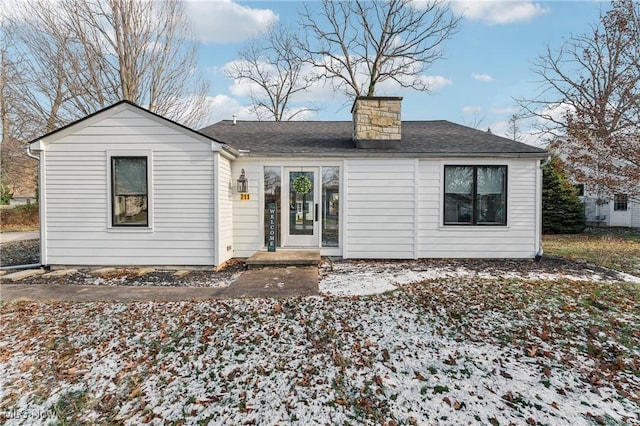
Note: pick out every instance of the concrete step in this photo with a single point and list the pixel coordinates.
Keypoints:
(285, 258)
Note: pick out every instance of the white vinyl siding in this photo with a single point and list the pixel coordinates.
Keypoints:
(380, 213)
(392, 209)
(516, 240)
(247, 214)
(77, 198)
(635, 214)
(224, 219)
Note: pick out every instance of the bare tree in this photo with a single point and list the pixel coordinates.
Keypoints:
(359, 44)
(152, 63)
(591, 101)
(87, 54)
(66, 59)
(18, 172)
(275, 74)
(476, 120)
(513, 127)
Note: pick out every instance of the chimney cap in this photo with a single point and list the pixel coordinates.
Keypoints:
(374, 98)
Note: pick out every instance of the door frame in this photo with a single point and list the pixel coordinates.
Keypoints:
(620, 217)
(301, 241)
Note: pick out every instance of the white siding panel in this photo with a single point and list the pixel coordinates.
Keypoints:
(224, 211)
(516, 240)
(247, 221)
(635, 214)
(77, 204)
(380, 217)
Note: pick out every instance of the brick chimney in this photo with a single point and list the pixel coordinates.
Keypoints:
(377, 121)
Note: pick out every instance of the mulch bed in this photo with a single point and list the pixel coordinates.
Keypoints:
(20, 253)
(27, 252)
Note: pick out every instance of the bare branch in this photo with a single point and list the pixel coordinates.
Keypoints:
(590, 100)
(274, 73)
(83, 55)
(359, 44)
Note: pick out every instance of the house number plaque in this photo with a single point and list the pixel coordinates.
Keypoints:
(244, 196)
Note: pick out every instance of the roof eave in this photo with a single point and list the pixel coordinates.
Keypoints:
(391, 154)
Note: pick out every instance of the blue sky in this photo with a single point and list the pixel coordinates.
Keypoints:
(488, 62)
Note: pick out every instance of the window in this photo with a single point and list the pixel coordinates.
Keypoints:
(330, 206)
(475, 195)
(129, 189)
(272, 195)
(620, 202)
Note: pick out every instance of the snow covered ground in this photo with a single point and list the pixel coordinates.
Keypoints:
(451, 346)
(353, 278)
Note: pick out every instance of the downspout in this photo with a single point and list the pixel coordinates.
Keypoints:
(41, 205)
(540, 251)
(27, 150)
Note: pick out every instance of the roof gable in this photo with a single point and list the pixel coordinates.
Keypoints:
(113, 110)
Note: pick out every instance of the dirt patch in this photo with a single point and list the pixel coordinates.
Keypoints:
(21, 218)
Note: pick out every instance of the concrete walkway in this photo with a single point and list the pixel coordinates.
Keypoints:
(270, 282)
(7, 237)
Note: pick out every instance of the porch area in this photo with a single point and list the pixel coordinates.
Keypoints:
(284, 258)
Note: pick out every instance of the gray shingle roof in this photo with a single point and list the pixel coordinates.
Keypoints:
(306, 138)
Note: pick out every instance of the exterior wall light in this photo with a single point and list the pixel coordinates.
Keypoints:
(243, 183)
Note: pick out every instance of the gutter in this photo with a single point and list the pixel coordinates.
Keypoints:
(27, 150)
(545, 162)
(389, 154)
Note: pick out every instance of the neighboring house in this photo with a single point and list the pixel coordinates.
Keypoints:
(127, 187)
(621, 210)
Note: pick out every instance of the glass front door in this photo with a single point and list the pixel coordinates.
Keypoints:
(301, 224)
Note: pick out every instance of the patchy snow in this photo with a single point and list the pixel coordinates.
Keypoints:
(455, 343)
(353, 278)
(314, 360)
(356, 284)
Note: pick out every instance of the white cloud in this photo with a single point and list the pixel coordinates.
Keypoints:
(499, 12)
(8, 9)
(432, 82)
(473, 109)
(435, 82)
(526, 131)
(319, 91)
(507, 110)
(556, 112)
(224, 21)
(223, 107)
(482, 77)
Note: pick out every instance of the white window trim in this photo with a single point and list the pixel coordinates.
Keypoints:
(475, 228)
(330, 250)
(130, 153)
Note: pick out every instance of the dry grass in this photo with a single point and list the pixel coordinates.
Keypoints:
(614, 248)
(21, 218)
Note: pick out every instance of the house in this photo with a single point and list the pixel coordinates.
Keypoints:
(621, 210)
(125, 186)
